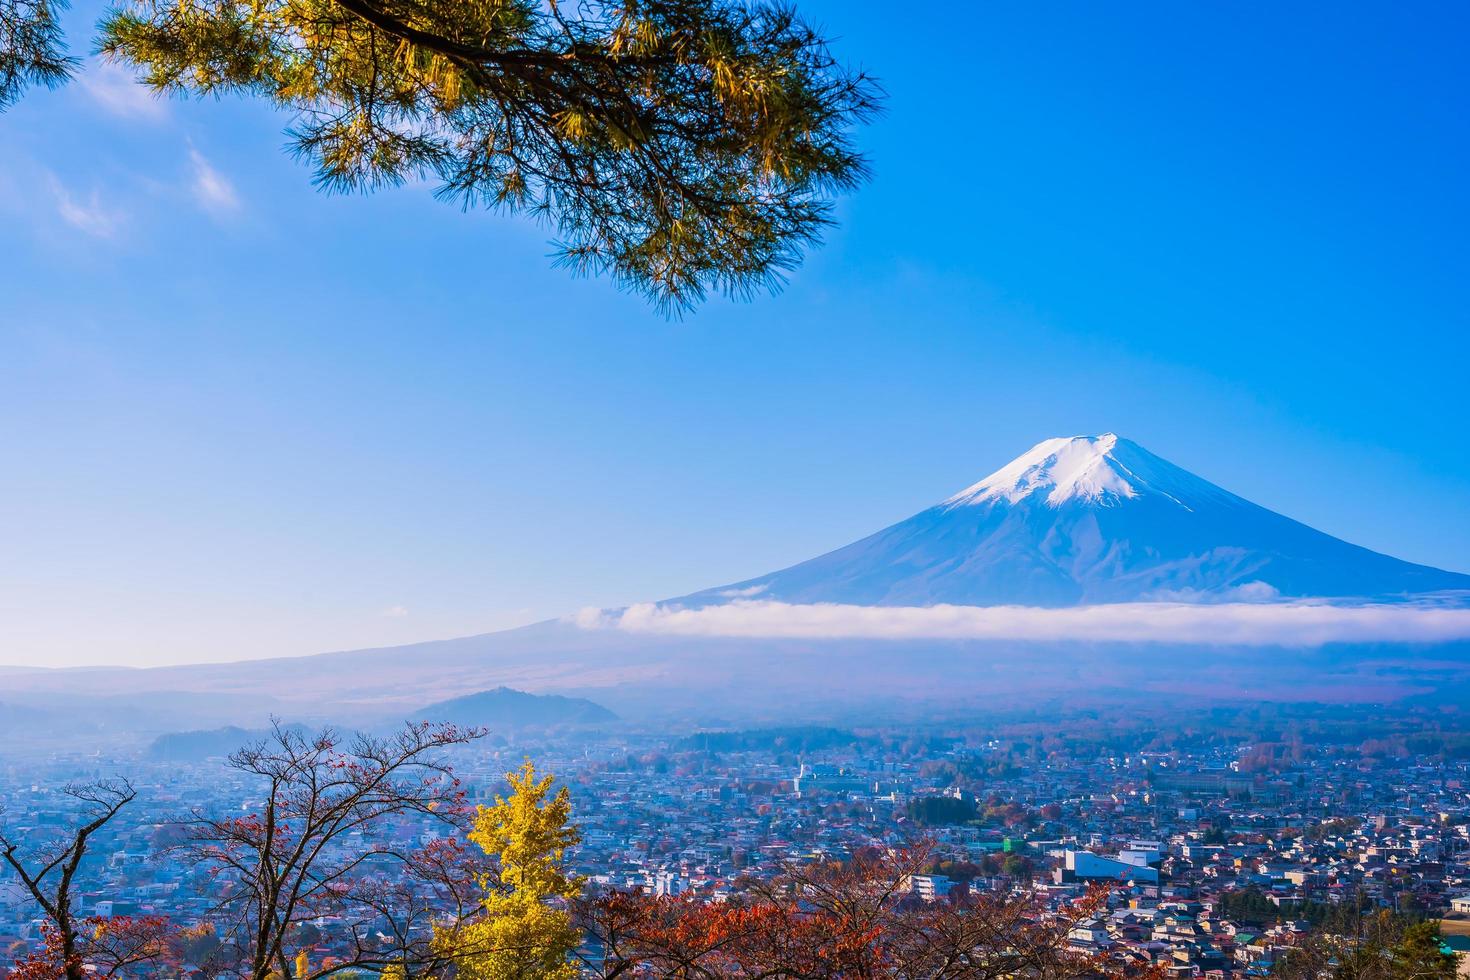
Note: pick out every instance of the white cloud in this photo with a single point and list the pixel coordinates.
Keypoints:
(1248, 592)
(113, 87)
(747, 593)
(90, 215)
(396, 612)
(1296, 624)
(212, 189)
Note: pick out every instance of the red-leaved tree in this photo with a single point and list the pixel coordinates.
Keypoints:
(853, 920)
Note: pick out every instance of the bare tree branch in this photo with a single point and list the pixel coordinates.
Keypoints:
(49, 871)
(318, 846)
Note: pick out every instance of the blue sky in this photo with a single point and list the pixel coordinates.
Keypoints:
(241, 418)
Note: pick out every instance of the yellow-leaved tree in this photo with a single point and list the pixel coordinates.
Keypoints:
(523, 934)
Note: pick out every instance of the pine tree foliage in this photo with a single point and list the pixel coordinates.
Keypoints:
(681, 146)
(32, 49)
(1380, 946)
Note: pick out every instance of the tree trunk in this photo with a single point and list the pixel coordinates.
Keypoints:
(71, 960)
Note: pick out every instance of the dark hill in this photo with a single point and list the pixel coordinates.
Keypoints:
(216, 743)
(504, 707)
(195, 746)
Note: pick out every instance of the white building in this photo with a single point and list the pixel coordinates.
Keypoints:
(930, 887)
(1086, 866)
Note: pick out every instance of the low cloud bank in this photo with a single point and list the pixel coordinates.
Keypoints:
(1296, 624)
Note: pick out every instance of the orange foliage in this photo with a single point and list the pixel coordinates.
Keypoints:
(856, 919)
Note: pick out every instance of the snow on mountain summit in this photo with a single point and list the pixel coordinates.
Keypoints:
(1101, 469)
(1091, 519)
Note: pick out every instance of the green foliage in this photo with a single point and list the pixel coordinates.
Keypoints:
(1250, 905)
(1420, 954)
(1380, 946)
(1017, 866)
(681, 146)
(32, 50)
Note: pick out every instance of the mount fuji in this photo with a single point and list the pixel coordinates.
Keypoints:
(1086, 568)
(1088, 520)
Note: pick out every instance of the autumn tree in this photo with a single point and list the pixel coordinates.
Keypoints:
(322, 844)
(439, 887)
(855, 918)
(681, 146)
(524, 931)
(47, 866)
(105, 948)
(198, 944)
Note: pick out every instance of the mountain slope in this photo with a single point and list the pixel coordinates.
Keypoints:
(1091, 519)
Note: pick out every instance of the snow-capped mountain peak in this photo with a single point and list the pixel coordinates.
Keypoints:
(1104, 469)
(1085, 520)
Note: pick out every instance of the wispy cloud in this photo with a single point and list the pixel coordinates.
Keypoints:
(1295, 624)
(395, 612)
(745, 593)
(113, 87)
(90, 214)
(212, 190)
